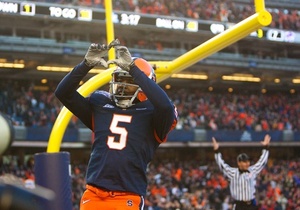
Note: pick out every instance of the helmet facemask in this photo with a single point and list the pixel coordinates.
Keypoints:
(122, 80)
(123, 89)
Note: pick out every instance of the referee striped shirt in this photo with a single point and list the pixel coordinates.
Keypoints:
(242, 184)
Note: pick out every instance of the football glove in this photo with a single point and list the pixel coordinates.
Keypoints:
(96, 52)
(124, 59)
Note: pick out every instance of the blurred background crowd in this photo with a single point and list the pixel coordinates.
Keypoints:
(224, 10)
(198, 109)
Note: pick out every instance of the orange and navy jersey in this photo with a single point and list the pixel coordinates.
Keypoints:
(125, 139)
(124, 144)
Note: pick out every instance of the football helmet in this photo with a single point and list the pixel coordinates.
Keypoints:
(124, 91)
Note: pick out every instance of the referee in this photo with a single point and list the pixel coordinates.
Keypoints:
(243, 179)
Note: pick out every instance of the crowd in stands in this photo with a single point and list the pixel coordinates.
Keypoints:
(190, 184)
(225, 10)
(236, 111)
(197, 109)
(27, 106)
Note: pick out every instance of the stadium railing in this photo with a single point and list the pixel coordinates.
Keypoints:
(23, 133)
(78, 48)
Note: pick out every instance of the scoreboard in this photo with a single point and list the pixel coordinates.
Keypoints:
(39, 9)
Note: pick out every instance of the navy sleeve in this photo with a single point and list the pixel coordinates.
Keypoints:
(66, 92)
(165, 115)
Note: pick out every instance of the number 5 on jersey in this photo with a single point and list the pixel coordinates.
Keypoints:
(115, 129)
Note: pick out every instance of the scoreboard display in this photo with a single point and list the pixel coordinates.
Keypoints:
(39, 9)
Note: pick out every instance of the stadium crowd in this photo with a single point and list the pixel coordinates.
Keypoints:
(236, 111)
(192, 184)
(225, 10)
(197, 109)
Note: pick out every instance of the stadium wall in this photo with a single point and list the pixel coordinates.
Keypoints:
(23, 133)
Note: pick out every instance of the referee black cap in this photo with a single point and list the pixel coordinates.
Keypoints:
(243, 157)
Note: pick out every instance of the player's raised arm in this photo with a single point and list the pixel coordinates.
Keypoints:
(66, 90)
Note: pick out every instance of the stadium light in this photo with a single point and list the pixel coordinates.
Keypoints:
(190, 76)
(296, 81)
(12, 65)
(277, 80)
(241, 78)
(65, 69)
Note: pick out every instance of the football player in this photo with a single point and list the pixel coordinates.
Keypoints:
(129, 123)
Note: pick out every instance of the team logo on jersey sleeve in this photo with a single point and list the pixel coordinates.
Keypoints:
(108, 106)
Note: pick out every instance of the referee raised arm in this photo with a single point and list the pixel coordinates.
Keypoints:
(243, 179)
